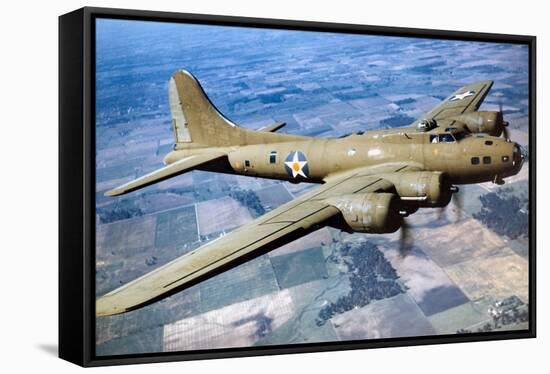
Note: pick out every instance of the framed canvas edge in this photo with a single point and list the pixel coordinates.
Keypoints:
(83, 334)
(71, 314)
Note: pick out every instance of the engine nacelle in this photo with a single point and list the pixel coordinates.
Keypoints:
(375, 213)
(423, 188)
(491, 123)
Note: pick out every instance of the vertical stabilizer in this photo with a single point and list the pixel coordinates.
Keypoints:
(194, 117)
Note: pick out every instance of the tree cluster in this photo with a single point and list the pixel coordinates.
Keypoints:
(249, 199)
(504, 213)
(371, 278)
(122, 209)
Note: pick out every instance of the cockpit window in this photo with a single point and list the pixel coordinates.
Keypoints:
(459, 135)
(442, 138)
(446, 138)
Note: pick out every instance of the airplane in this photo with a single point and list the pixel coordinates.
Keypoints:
(367, 182)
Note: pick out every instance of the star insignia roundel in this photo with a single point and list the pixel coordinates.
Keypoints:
(462, 96)
(296, 164)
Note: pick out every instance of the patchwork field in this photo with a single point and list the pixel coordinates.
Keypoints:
(396, 317)
(221, 215)
(237, 325)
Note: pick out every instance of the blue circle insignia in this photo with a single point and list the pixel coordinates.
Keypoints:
(296, 164)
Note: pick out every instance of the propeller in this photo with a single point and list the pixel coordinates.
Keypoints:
(405, 244)
(505, 131)
(405, 238)
(457, 200)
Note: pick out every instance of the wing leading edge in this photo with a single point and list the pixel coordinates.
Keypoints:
(278, 227)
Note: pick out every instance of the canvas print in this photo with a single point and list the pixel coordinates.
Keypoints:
(268, 187)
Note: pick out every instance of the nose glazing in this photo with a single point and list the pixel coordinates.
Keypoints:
(517, 158)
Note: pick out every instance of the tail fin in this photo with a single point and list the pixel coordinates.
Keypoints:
(194, 117)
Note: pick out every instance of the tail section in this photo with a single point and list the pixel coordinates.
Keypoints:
(194, 117)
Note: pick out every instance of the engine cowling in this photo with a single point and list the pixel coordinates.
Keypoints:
(375, 213)
(423, 189)
(491, 123)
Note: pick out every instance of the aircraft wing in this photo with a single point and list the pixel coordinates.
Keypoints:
(178, 167)
(465, 99)
(272, 230)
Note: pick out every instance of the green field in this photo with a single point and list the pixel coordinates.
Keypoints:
(299, 267)
(247, 281)
(176, 227)
(273, 196)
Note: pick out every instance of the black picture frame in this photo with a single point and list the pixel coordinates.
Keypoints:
(77, 184)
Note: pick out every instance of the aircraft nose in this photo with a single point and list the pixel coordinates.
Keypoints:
(517, 158)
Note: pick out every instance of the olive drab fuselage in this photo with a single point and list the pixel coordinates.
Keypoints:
(464, 159)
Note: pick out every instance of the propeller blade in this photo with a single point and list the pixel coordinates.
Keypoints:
(506, 133)
(458, 202)
(404, 240)
(440, 213)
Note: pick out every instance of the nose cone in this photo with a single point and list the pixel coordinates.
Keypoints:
(517, 159)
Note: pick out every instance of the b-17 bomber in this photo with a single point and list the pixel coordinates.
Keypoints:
(367, 182)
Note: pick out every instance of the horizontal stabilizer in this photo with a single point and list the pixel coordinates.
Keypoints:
(273, 127)
(178, 167)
